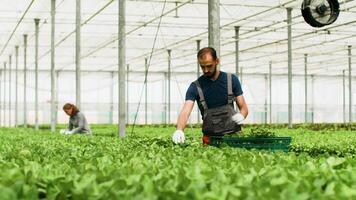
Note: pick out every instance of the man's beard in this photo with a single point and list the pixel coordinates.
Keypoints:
(210, 75)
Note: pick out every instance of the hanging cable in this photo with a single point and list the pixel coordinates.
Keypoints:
(148, 66)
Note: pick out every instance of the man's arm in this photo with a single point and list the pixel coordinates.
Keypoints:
(184, 114)
(241, 103)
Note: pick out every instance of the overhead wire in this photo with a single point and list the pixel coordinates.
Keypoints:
(148, 66)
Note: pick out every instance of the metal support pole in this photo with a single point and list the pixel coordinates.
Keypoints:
(111, 96)
(198, 75)
(350, 86)
(312, 100)
(25, 83)
(146, 72)
(16, 84)
(241, 76)
(37, 21)
(122, 66)
(1, 106)
(165, 98)
(56, 101)
(10, 62)
(53, 73)
(237, 36)
(266, 97)
(176, 10)
(290, 114)
(169, 86)
(4, 116)
(343, 97)
(77, 54)
(270, 92)
(127, 93)
(214, 25)
(305, 88)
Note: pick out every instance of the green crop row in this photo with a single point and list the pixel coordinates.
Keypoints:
(146, 165)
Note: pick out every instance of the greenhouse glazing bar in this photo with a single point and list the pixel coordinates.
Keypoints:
(53, 93)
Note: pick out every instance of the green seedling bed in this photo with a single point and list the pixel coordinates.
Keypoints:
(261, 143)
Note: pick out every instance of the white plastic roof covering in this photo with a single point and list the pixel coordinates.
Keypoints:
(263, 35)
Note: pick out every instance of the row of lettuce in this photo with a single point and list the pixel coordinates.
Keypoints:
(146, 165)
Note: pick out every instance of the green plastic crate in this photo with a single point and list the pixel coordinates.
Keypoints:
(265, 143)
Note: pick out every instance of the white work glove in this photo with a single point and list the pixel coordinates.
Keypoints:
(68, 132)
(238, 118)
(178, 137)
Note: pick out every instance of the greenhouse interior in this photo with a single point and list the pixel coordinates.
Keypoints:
(177, 99)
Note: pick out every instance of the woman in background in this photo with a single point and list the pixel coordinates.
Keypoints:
(77, 122)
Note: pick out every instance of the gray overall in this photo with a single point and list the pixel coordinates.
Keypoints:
(217, 121)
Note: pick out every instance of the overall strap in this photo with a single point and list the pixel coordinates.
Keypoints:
(230, 97)
(201, 95)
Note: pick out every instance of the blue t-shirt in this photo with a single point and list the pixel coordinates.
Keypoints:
(215, 92)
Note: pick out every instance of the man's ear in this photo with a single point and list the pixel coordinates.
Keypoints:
(217, 61)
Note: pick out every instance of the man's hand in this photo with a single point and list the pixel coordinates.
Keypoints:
(178, 137)
(238, 118)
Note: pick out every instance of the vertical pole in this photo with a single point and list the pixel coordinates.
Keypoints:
(176, 10)
(10, 62)
(146, 72)
(1, 106)
(305, 88)
(37, 21)
(241, 75)
(270, 92)
(214, 25)
(343, 97)
(122, 65)
(25, 83)
(4, 117)
(53, 83)
(16, 84)
(198, 75)
(290, 114)
(350, 87)
(169, 86)
(165, 98)
(266, 97)
(127, 93)
(237, 36)
(111, 96)
(312, 100)
(56, 100)
(77, 53)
